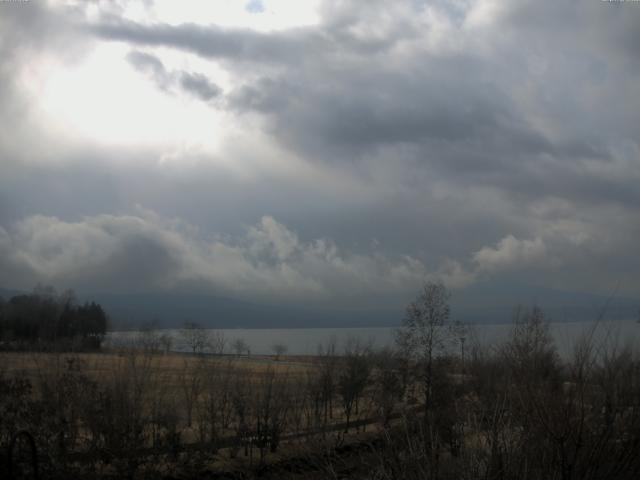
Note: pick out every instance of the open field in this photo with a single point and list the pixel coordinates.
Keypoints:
(516, 411)
(98, 364)
(145, 404)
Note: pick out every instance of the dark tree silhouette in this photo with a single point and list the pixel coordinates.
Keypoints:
(44, 316)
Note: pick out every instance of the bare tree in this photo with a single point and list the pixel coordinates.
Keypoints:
(314, 394)
(148, 338)
(353, 378)
(271, 403)
(425, 333)
(279, 349)
(195, 337)
(215, 410)
(388, 390)
(242, 413)
(217, 342)
(426, 330)
(166, 342)
(240, 346)
(327, 376)
(191, 384)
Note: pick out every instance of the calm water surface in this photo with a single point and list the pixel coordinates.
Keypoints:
(305, 341)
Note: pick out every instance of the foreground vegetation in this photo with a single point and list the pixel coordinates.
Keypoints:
(513, 411)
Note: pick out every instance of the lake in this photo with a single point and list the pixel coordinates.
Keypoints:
(305, 341)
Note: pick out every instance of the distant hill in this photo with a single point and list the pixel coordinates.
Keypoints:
(477, 304)
(480, 303)
(217, 312)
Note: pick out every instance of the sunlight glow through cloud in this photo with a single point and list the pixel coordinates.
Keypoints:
(104, 99)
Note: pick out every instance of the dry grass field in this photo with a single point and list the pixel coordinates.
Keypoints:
(172, 365)
(241, 408)
(177, 378)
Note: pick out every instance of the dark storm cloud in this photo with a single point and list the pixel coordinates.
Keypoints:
(195, 84)
(443, 115)
(214, 41)
(199, 86)
(151, 65)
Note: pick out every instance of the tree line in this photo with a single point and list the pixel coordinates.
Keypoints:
(46, 318)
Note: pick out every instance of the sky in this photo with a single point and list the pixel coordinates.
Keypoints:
(325, 152)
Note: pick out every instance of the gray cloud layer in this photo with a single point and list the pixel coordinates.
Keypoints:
(476, 140)
(268, 261)
(499, 110)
